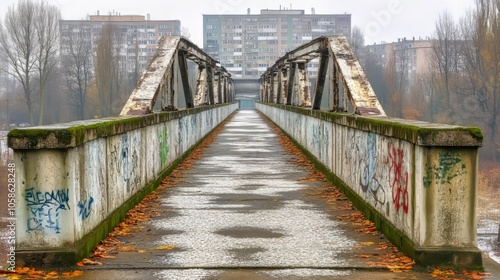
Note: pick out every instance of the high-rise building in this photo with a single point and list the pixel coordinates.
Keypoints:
(246, 44)
(408, 57)
(134, 36)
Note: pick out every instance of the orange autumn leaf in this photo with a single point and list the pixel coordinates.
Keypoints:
(127, 248)
(90, 262)
(22, 270)
(165, 247)
(71, 274)
(52, 275)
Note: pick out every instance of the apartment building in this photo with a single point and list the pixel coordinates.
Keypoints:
(409, 57)
(247, 44)
(135, 36)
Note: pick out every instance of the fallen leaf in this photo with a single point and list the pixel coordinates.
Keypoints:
(165, 247)
(22, 270)
(127, 248)
(90, 262)
(52, 275)
(71, 274)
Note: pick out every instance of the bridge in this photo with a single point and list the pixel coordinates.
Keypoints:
(415, 180)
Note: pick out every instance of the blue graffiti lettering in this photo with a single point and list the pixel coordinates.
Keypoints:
(85, 208)
(44, 209)
(368, 181)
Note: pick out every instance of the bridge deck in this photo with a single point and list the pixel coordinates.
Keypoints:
(245, 211)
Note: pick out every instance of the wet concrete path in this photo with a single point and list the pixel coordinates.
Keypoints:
(242, 212)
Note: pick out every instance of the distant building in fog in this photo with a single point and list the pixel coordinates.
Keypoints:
(136, 36)
(410, 57)
(247, 44)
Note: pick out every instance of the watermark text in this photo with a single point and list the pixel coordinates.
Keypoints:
(11, 210)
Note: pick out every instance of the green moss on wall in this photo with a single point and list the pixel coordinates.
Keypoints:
(421, 133)
(76, 133)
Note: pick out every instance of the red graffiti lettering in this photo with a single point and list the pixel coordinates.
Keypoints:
(397, 178)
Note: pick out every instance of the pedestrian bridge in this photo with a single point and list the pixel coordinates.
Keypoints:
(415, 180)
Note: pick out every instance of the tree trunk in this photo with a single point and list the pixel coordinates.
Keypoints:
(40, 117)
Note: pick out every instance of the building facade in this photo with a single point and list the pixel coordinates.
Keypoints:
(409, 58)
(246, 45)
(135, 37)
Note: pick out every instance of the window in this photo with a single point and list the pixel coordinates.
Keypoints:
(164, 26)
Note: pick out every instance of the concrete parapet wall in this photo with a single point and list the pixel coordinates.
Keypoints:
(76, 181)
(417, 181)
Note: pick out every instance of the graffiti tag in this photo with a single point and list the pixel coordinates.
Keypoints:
(368, 180)
(450, 166)
(398, 179)
(44, 209)
(85, 208)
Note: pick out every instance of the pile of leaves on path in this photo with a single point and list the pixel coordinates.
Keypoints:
(31, 273)
(387, 255)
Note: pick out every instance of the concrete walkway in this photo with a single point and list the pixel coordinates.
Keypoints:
(243, 212)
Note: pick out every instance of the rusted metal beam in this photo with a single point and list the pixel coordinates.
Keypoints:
(279, 91)
(291, 83)
(144, 95)
(284, 84)
(219, 88)
(348, 76)
(183, 68)
(161, 75)
(210, 83)
(335, 86)
(320, 82)
(359, 90)
(201, 85)
(272, 93)
(303, 85)
(226, 90)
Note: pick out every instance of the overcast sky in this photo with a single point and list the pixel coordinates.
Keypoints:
(382, 20)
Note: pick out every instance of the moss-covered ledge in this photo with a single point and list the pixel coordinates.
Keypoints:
(73, 134)
(417, 132)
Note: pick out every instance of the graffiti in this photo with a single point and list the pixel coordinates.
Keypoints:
(316, 140)
(354, 153)
(368, 180)
(163, 139)
(398, 179)
(44, 209)
(449, 167)
(85, 207)
(125, 162)
(135, 160)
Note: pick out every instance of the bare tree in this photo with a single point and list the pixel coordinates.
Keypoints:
(121, 80)
(392, 80)
(18, 43)
(481, 32)
(185, 32)
(104, 69)
(77, 67)
(357, 41)
(446, 48)
(47, 37)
